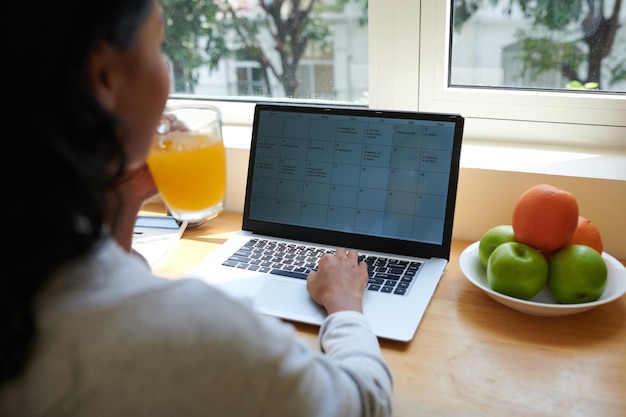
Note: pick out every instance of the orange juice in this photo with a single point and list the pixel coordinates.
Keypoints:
(189, 170)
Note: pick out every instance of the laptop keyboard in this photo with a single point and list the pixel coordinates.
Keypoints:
(386, 275)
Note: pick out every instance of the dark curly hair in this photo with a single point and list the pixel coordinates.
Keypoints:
(63, 146)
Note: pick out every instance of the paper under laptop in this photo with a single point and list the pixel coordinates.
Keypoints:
(154, 235)
(377, 181)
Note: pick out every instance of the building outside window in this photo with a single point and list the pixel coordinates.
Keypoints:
(549, 47)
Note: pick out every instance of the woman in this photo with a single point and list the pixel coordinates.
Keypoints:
(85, 328)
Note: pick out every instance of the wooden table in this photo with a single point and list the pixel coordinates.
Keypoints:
(472, 356)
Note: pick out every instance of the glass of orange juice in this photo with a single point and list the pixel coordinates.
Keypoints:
(188, 162)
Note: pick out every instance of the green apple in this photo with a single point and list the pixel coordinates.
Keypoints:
(493, 238)
(577, 274)
(517, 270)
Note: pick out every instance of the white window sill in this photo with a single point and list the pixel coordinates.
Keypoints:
(553, 160)
(549, 160)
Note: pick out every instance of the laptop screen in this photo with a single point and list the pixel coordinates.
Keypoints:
(354, 173)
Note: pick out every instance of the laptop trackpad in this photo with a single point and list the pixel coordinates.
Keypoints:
(288, 300)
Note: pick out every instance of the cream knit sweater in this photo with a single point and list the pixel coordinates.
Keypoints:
(114, 340)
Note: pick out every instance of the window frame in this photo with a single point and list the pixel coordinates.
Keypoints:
(402, 76)
(418, 80)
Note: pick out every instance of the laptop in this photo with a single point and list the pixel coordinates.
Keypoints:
(382, 182)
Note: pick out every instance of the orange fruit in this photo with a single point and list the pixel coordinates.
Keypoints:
(586, 233)
(545, 217)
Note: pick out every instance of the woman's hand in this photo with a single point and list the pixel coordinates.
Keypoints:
(125, 201)
(339, 282)
(136, 187)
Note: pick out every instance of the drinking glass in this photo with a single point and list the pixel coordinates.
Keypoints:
(188, 163)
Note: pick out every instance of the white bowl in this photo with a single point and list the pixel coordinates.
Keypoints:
(543, 304)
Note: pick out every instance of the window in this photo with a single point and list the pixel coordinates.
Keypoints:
(541, 117)
(539, 45)
(316, 80)
(248, 48)
(249, 80)
(400, 59)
